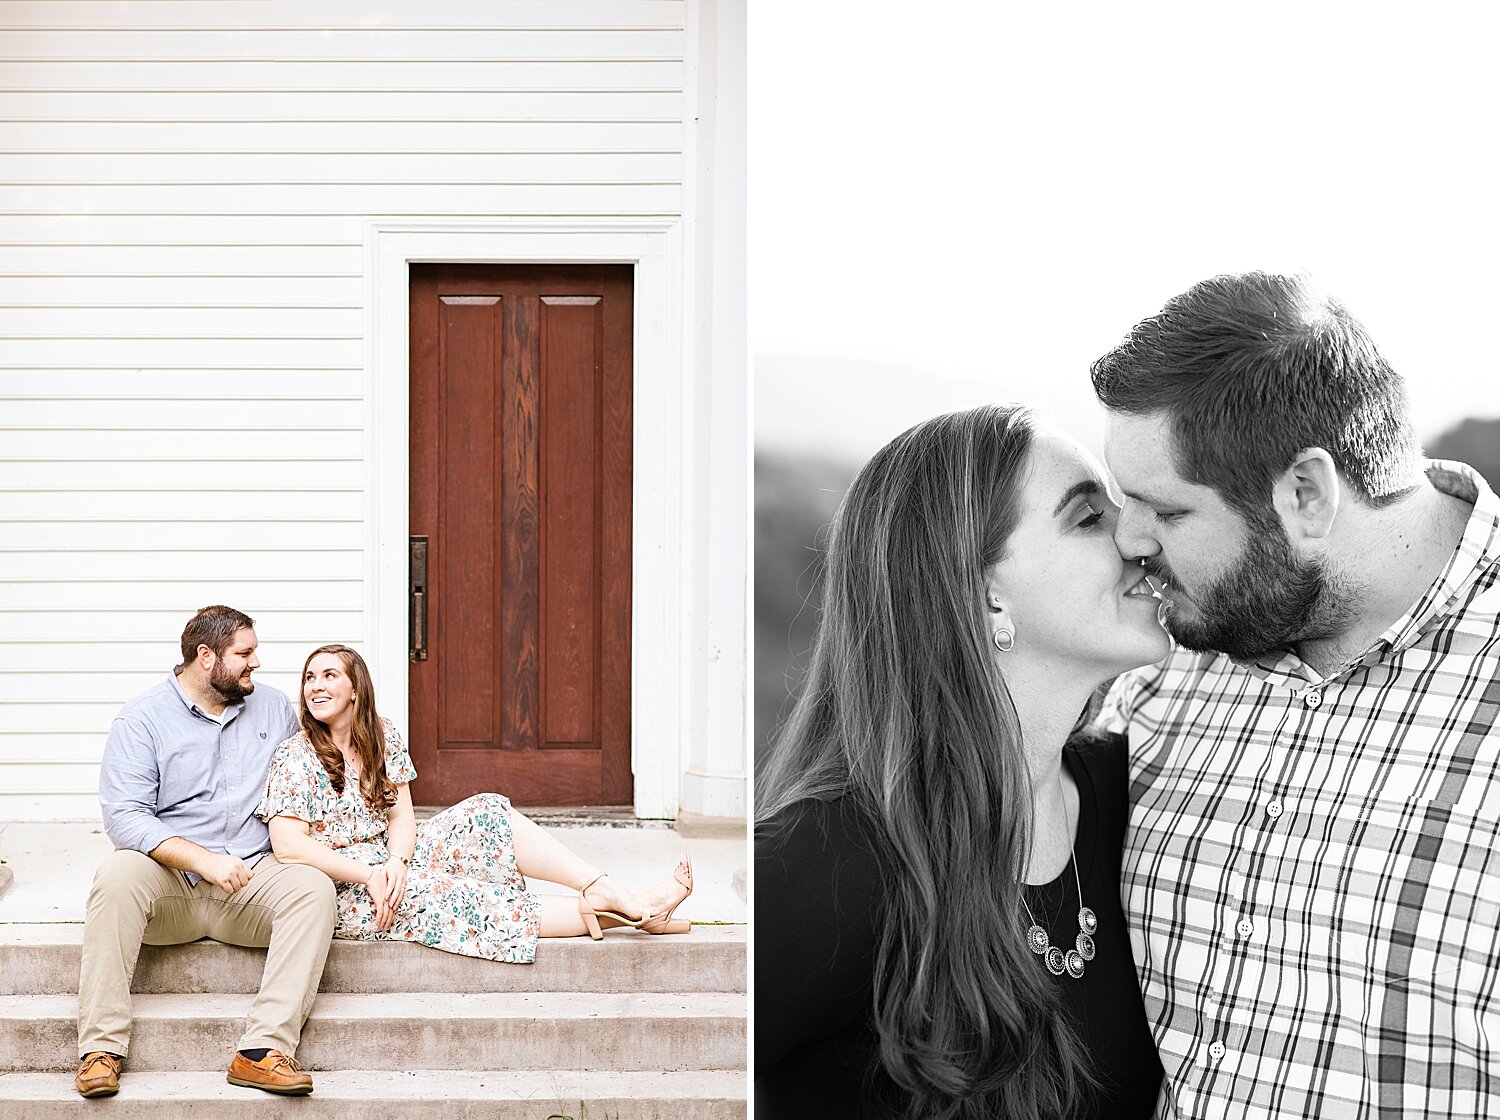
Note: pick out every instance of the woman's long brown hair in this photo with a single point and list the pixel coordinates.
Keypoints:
(367, 733)
(906, 715)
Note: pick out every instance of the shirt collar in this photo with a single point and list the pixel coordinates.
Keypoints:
(231, 709)
(1477, 551)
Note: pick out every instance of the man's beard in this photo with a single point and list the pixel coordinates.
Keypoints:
(227, 685)
(1269, 599)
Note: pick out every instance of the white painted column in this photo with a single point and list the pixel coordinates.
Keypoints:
(716, 709)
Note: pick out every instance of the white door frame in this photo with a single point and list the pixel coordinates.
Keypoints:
(658, 498)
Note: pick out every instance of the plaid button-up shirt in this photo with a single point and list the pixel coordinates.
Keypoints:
(1312, 870)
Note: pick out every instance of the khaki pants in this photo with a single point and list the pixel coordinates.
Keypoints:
(288, 908)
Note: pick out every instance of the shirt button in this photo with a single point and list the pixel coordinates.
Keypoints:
(1274, 808)
(1245, 927)
(1216, 1050)
(1313, 699)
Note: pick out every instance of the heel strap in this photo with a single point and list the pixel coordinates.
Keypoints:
(592, 881)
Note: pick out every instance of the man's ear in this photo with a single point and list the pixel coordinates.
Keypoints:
(1307, 495)
(205, 657)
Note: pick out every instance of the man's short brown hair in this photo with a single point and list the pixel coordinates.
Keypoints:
(214, 627)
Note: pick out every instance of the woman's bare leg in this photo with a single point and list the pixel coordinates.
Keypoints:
(540, 855)
(559, 916)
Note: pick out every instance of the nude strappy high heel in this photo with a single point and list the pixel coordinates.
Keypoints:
(656, 923)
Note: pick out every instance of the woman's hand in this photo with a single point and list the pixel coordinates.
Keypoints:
(395, 878)
(379, 888)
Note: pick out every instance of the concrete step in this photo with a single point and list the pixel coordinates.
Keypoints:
(382, 1095)
(42, 959)
(484, 1031)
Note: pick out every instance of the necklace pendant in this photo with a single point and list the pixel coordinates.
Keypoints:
(1073, 962)
(1037, 938)
(1057, 962)
(1087, 922)
(1085, 945)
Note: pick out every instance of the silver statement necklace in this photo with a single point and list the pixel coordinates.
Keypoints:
(1073, 960)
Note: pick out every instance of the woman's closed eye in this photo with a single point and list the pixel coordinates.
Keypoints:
(1095, 512)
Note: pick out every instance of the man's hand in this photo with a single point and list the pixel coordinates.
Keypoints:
(229, 872)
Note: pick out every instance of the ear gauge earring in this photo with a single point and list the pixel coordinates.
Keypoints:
(1005, 640)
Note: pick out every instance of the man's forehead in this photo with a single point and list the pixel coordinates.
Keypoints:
(1139, 445)
(244, 638)
(1140, 453)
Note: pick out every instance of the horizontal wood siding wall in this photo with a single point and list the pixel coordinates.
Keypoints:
(183, 191)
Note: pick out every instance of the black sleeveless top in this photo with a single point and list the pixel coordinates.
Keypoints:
(817, 904)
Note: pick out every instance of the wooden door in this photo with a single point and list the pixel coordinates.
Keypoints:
(520, 481)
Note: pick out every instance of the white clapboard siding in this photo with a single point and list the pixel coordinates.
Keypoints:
(183, 215)
(335, 140)
(82, 715)
(143, 565)
(346, 45)
(281, 474)
(178, 322)
(338, 15)
(168, 385)
(237, 351)
(132, 623)
(489, 111)
(196, 411)
(86, 656)
(457, 76)
(54, 747)
(68, 537)
(340, 168)
(51, 777)
(185, 591)
(148, 259)
(183, 440)
(171, 293)
(37, 688)
(214, 197)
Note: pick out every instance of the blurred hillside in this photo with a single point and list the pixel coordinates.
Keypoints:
(1476, 442)
(795, 496)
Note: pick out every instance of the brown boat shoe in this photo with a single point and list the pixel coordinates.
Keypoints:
(275, 1073)
(98, 1074)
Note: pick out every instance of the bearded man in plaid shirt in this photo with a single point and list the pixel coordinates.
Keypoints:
(1312, 872)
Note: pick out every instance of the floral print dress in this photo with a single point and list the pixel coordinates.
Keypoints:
(464, 893)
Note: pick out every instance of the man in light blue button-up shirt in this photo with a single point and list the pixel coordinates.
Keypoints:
(184, 769)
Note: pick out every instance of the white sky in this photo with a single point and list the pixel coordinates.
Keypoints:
(957, 203)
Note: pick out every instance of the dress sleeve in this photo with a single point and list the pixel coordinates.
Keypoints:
(291, 785)
(816, 888)
(398, 767)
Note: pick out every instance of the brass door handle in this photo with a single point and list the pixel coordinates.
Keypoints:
(418, 597)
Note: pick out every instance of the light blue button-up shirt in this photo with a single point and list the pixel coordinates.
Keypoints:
(171, 770)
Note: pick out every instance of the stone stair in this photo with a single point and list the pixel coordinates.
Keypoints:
(631, 1027)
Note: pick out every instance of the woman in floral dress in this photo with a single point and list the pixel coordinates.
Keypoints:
(337, 798)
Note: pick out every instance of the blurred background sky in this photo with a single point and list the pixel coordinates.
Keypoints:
(973, 203)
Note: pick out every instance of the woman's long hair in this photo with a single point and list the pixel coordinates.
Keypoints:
(367, 733)
(905, 712)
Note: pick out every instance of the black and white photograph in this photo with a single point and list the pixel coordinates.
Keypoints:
(1126, 649)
